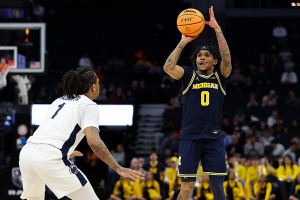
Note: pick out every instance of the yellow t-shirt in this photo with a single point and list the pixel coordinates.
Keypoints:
(153, 193)
(204, 188)
(171, 174)
(127, 187)
(238, 190)
(252, 175)
(263, 190)
(200, 172)
(241, 171)
(283, 172)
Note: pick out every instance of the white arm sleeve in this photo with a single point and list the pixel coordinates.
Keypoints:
(88, 114)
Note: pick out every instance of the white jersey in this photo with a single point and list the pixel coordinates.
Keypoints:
(64, 123)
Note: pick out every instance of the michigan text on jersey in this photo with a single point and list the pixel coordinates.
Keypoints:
(205, 85)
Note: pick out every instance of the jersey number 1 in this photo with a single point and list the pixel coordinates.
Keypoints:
(205, 98)
(59, 108)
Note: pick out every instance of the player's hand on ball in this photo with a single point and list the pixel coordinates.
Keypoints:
(188, 38)
(129, 173)
(76, 153)
(212, 22)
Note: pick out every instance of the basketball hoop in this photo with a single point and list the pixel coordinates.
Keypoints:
(4, 68)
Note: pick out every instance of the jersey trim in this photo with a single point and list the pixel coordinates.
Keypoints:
(220, 83)
(67, 145)
(215, 173)
(207, 77)
(74, 170)
(191, 81)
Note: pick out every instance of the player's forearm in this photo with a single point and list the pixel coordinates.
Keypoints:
(174, 56)
(226, 66)
(100, 149)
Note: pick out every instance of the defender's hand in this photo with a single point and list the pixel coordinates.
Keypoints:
(76, 153)
(188, 38)
(129, 173)
(213, 22)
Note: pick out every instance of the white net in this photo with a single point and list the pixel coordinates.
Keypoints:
(4, 68)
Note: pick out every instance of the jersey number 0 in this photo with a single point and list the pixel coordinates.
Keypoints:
(59, 108)
(204, 98)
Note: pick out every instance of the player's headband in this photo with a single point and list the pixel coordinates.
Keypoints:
(207, 49)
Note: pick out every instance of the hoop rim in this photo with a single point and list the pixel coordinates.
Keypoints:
(4, 67)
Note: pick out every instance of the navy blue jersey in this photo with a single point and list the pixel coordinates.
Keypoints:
(157, 170)
(202, 109)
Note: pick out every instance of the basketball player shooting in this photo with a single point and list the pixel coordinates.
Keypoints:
(45, 157)
(204, 88)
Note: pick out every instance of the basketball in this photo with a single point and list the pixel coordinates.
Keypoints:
(190, 22)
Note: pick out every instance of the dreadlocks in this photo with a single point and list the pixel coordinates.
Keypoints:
(215, 51)
(78, 82)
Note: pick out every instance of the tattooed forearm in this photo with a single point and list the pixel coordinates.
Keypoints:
(179, 197)
(226, 66)
(174, 56)
(100, 149)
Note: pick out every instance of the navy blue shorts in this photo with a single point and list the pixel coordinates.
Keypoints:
(211, 152)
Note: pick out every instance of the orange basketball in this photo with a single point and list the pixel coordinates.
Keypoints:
(190, 22)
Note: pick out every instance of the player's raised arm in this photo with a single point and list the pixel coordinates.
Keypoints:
(170, 66)
(100, 149)
(225, 66)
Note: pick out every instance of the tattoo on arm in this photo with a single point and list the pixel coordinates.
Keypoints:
(175, 55)
(101, 150)
(179, 197)
(226, 66)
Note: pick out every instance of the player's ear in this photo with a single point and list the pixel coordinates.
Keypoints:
(215, 61)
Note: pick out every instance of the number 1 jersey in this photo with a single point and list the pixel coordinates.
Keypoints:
(64, 123)
(202, 109)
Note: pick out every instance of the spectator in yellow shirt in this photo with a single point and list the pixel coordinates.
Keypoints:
(150, 188)
(286, 174)
(262, 189)
(295, 191)
(135, 165)
(239, 169)
(123, 190)
(204, 191)
(173, 180)
(233, 190)
(253, 171)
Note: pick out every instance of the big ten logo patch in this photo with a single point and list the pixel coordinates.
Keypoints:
(73, 169)
(153, 170)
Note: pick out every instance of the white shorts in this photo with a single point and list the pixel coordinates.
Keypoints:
(42, 164)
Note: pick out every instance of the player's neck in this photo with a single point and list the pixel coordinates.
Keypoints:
(89, 95)
(206, 72)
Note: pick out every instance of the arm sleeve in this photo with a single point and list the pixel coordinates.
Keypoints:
(256, 189)
(171, 188)
(186, 78)
(241, 189)
(225, 188)
(295, 172)
(156, 186)
(268, 191)
(88, 114)
(280, 173)
(283, 78)
(116, 191)
(199, 190)
(243, 173)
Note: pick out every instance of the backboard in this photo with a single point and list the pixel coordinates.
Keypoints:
(25, 45)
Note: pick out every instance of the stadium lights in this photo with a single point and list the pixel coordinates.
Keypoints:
(293, 4)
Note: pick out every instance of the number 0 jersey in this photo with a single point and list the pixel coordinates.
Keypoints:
(202, 109)
(64, 123)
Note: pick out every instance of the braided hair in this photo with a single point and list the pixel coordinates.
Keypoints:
(215, 51)
(79, 81)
